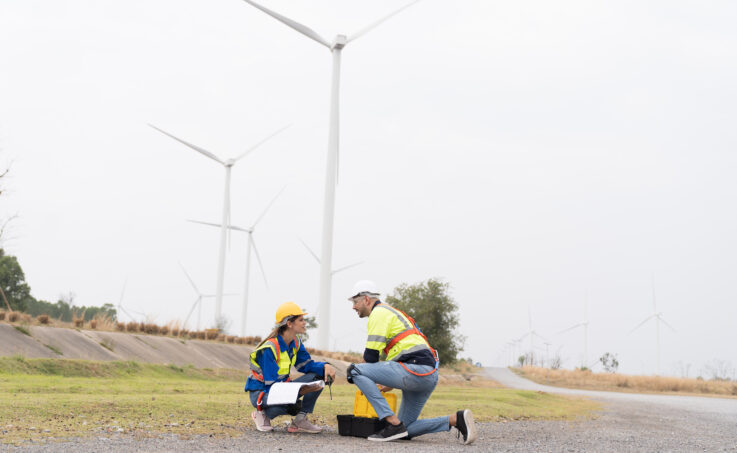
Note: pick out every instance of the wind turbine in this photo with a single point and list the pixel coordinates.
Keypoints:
(120, 303)
(331, 174)
(228, 164)
(198, 301)
(585, 325)
(532, 333)
(658, 316)
(249, 244)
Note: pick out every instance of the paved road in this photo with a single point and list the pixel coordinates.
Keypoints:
(698, 405)
(629, 422)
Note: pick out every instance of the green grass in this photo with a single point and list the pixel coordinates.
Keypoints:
(60, 398)
(22, 330)
(53, 348)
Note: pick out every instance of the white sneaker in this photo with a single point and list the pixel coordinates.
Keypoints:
(303, 426)
(262, 421)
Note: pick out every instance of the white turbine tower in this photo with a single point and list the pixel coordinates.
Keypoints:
(658, 316)
(585, 325)
(250, 243)
(228, 164)
(331, 173)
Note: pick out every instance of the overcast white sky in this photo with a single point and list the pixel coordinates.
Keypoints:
(526, 152)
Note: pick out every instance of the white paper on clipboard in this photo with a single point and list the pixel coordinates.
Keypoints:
(287, 392)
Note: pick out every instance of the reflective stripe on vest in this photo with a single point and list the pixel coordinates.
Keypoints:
(284, 362)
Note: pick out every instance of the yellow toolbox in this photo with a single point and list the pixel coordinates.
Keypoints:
(362, 408)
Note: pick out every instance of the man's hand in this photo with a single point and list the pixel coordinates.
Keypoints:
(385, 388)
(329, 371)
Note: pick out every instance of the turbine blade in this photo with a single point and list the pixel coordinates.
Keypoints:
(122, 293)
(191, 310)
(190, 279)
(309, 250)
(232, 227)
(643, 322)
(291, 24)
(258, 259)
(248, 151)
(267, 208)
(126, 312)
(194, 147)
(570, 328)
(365, 30)
(660, 318)
(347, 267)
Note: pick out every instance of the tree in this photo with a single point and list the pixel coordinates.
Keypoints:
(13, 282)
(435, 312)
(610, 362)
(311, 324)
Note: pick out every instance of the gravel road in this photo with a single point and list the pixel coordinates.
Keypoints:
(628, 423)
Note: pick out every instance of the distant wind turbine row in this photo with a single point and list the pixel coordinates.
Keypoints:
(514, 344)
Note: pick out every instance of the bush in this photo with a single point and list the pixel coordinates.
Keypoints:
(175, 331)
(132, 327)
(93, 324)
(230, 339)
(120, 326)
(151, 329)
(163, 330)
(13, 316)
(2, 316)
(43, 319)
(78, 322)
(211, 334)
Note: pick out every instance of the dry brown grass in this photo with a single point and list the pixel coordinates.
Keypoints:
(120, 326)
(13, 316)
(2, 316)
(104, 322)
(93, 324)
(43, 319)
(78, 322)
(628, 383)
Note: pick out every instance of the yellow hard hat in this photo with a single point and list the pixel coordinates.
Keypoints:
(288, 309)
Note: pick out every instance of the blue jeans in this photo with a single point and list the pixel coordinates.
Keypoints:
(308, 400)
(415, 392)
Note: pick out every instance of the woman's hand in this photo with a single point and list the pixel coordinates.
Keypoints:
(329, 371)
(309, 389)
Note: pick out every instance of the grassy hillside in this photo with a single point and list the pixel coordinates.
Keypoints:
(44, 398)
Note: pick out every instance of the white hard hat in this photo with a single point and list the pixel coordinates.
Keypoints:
(364, 287)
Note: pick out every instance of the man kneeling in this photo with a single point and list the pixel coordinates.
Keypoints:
(398, 355)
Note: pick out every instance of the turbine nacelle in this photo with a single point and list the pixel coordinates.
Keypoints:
(339, 42)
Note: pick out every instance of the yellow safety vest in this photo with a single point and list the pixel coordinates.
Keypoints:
(386, 324)
(283, 360)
